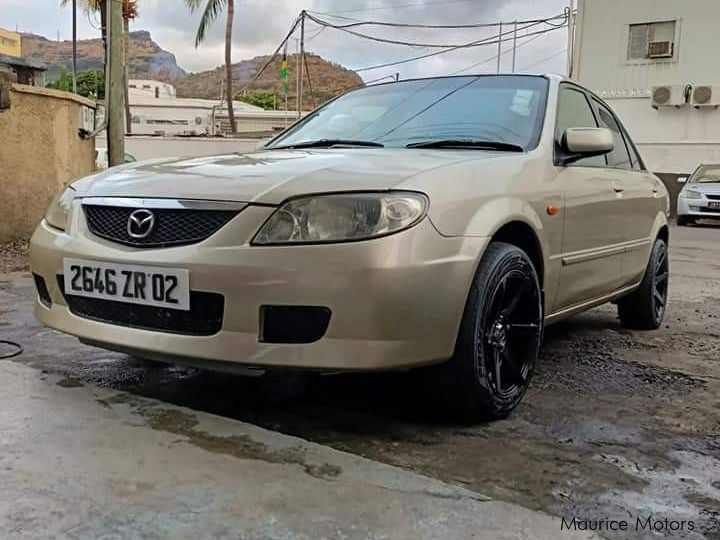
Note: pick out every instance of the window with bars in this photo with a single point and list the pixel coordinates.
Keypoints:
(641, 38)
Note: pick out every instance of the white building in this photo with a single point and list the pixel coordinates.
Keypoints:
(656, 63)
(156, 110)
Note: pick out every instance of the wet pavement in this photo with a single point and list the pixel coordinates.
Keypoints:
(617, 425)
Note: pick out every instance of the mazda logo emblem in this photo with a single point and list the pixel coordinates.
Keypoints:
(140, 224)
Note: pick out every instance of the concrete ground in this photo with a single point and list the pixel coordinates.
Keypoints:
(617, 425)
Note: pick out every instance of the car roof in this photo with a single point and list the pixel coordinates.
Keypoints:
(552, 76)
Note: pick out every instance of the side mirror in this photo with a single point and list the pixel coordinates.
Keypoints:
(579, 143)
(682, 179)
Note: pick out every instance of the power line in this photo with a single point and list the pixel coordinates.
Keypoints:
(274, 55)
(312, 92)
(466, 45)
(495, 56)
(413, 43)
(544, 60)
(432, 26)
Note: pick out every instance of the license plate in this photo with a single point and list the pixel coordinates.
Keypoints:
(134, 284)
(714, 205)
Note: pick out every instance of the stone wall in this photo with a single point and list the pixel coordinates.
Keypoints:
(40, 152)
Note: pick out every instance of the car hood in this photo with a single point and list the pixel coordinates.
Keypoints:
(270, 176)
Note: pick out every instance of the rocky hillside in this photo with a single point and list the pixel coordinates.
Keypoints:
(327, 79)
(147, 59)
(150, 61)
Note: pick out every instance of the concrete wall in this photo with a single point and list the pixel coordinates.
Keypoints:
(672, 140)
(40, 151)
(161, 147)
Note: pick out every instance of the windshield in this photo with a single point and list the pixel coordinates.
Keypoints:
(503, 108)
(706, 174)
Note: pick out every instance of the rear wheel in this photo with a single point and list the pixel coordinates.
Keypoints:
(645, 308)
(500, 336)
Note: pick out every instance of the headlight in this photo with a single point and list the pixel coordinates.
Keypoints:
(692, 194)
(337, 218)
(58, 215)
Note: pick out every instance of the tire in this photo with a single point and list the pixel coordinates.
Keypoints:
(645, 308)
(499, 339)
(684, 221)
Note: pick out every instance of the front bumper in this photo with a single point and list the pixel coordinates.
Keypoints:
(697, 208)
(395, 301)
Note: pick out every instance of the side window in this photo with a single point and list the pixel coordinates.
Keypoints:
(574, 111)
(636, 160)
(619, 157)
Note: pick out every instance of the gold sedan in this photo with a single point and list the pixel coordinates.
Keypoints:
(438, 221)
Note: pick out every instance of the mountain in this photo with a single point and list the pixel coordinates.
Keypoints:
(323, 80)
(147, 59)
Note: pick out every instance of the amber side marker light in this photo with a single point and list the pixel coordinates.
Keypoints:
(553, 210)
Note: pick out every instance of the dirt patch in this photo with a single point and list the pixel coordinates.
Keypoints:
(14, 256)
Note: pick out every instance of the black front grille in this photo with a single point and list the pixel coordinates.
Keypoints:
(713, 197)
(204, 318)
(173, 227)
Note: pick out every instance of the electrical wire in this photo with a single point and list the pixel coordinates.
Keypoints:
(414, 43)
(311, 14)
(312, 92)
(436, 53)
(564, 51)
(496, 56)
(274, 54)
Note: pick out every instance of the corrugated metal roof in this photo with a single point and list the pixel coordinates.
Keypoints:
(23, 62)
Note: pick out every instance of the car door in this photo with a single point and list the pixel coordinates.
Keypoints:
(638, 195)
(593, 233)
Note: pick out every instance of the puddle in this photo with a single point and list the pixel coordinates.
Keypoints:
(240, 446)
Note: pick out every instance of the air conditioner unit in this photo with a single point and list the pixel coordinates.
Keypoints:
(705, 96)
(660, 49)
(669, 96)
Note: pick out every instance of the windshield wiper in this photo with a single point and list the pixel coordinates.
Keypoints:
(468, 143)
(327, 143)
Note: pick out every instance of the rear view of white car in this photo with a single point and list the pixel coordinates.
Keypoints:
(700, 198)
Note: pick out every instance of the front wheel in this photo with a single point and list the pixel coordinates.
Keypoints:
(500, 336)
(684, 221)
(645, 308)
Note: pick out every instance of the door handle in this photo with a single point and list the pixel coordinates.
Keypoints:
(617, 188)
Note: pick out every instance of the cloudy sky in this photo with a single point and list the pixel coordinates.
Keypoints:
(261, 24)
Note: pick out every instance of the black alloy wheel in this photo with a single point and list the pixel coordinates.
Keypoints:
(499, 339)
(645, 308)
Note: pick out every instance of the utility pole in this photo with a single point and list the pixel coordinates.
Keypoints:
(499, 53)
(115, 101)
(74, 46)
(302, 63)
(571, 36)
(514, 56)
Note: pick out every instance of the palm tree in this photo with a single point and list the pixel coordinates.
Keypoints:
(210, 13)
(129, 11)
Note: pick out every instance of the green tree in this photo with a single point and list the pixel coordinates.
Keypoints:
(266, 100)
(212, 10)
(90, 84)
